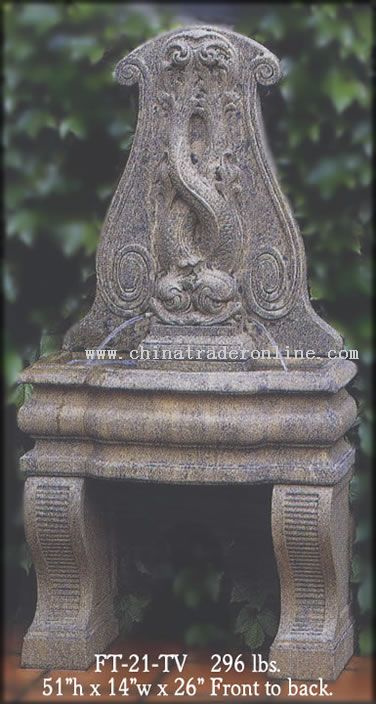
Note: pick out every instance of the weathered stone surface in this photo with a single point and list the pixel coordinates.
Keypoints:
(310, 376)
(198, 233)
(199, 249)
(233, 432)
(190, 465)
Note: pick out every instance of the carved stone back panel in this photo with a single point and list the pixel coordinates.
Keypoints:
(198, 235)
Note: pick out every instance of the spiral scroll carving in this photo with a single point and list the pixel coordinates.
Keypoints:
(129, 286)
(178, 53)
(129, 72)
(268, 283)
(266, 70)
(216, 54)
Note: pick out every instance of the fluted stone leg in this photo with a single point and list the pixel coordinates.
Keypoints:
(312, 544)
(74, 564)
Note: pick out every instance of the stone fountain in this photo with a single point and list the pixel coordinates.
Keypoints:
(199, 254)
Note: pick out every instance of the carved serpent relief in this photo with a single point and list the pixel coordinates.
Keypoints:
(197, 237)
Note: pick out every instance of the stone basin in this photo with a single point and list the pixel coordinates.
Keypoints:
(170, 423)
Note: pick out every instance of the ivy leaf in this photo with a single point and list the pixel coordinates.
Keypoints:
(366, 641)
(244, 620)
(240, 592)
(366, 440)
(202, 634)
(96, 54)
(23, 224)
(362, 531)
(40, 16)
(356, 569)
(365, 595)
(25, 560)
(354, 489)
(76, 235)
(344, 90)
(317, 291)
(13, 365)
(73, 124)
(268, 621)
(132, 609)
(34, 120)
(50, 344)
(142, 568)
(127, 142)
(272, 24)
(19, 395)
(254, 636)
(187, 587)
(253, 594)
(213, 584)
(10, 284)
(314, 131)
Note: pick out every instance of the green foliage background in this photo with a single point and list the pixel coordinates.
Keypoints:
(68, 131)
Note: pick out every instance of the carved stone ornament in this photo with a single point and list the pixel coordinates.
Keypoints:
(199, 237)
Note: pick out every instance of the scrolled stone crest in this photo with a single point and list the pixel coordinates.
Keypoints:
(198, 232)
(129, 72)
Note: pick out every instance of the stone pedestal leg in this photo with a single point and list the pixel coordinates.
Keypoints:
(74, 563)
(312, 544)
